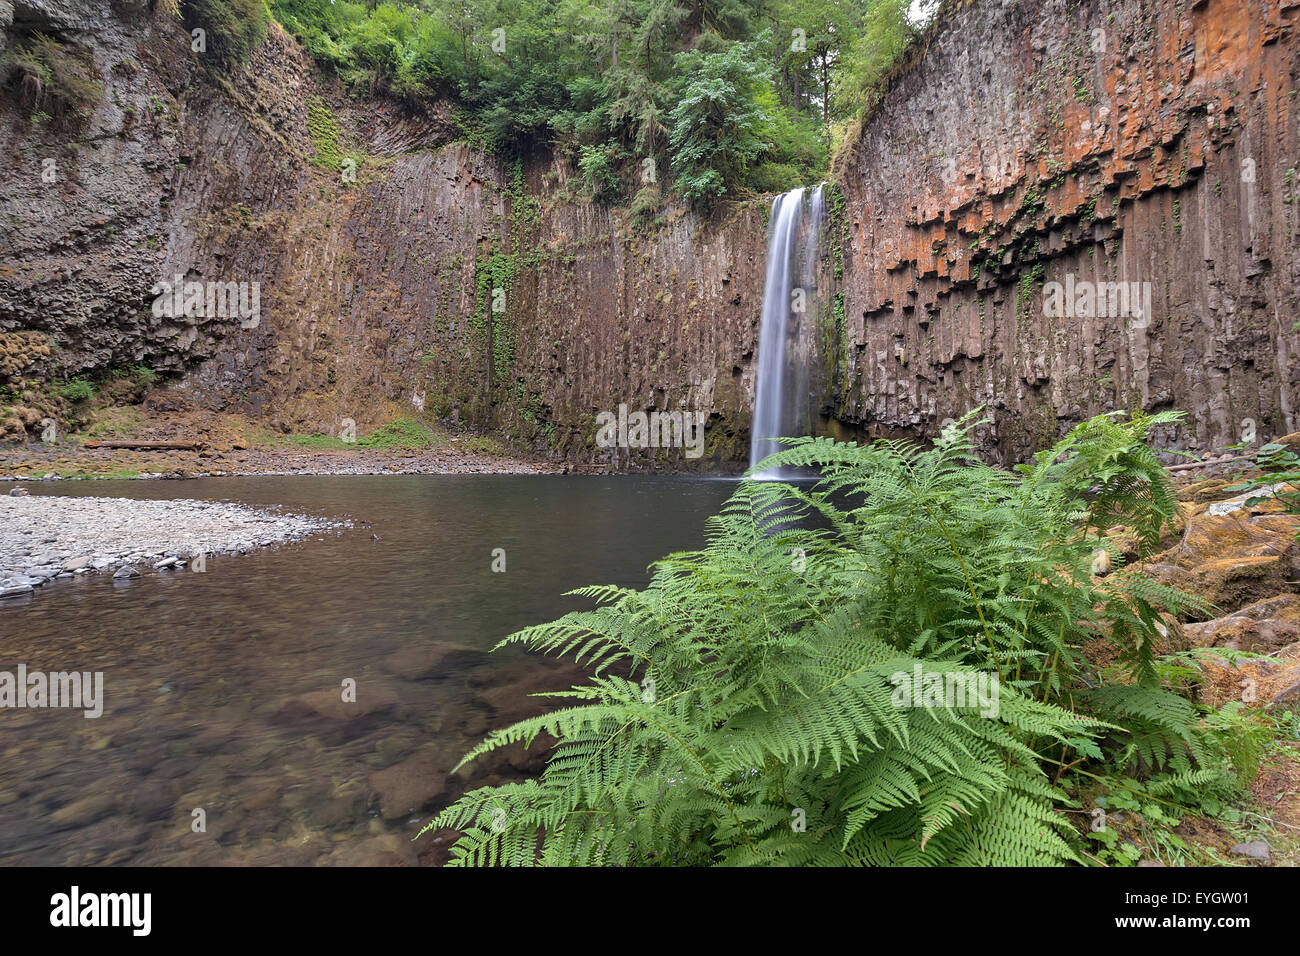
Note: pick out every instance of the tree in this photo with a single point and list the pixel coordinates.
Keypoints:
(717, 121)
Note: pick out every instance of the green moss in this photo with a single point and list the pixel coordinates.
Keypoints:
(327, 137)
(483, 445)
(317, 441)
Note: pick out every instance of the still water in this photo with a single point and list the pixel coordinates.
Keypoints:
(225, 739)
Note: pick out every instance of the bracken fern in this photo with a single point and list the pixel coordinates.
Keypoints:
(744, 708)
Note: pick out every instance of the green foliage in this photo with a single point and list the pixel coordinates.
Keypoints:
(1278, 465)
(327, 136)
(77, 389)
(483, 445)
(143, 376)
(233, 29)
(744, 708)
(877, 46)
(54, 80)
(677, 95)
(318, 442)
(599, 167)
(402, 433)
(718, 122)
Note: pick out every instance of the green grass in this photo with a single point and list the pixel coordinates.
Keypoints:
(73, 473)
(402, 433)
(483, 445)
(319, 442)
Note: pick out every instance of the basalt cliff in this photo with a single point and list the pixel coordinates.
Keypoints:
(1115, 145)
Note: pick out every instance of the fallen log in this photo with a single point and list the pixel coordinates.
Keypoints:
(147, 445)
(1207, 464)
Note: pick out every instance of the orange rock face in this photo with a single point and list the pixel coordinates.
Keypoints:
(1126, 146)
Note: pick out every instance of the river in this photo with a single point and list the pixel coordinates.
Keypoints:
(225, 738)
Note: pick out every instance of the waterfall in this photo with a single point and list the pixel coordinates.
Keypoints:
(787, 339)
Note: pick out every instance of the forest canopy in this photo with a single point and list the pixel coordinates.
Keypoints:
(708, 98)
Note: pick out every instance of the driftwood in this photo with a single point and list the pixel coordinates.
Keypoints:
(1207, 464)
(147, 445)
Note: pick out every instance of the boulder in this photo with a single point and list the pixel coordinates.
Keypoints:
(1254, 850)
(1260, 628)
(1231, 561)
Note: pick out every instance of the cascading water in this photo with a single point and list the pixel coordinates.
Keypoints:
(787, 340)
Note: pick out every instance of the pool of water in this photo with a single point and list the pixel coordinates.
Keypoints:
(225, 738)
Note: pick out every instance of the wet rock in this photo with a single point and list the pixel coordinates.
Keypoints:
(410, 786)
(85, 811)
(327, 704)
(150, 800)
(375, 851)
(429, 660)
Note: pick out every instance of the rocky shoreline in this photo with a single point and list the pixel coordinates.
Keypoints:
(47, 537)
(34, 463)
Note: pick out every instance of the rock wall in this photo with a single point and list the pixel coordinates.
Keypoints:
(398, 273)
(1152, 143)
(1111, 141)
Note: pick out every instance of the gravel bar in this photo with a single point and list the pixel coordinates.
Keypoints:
(44, 537)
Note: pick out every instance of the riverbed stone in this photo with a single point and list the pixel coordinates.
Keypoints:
(409, 786)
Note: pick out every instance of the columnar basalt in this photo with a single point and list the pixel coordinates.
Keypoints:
(1099, 143)
(1106, 145)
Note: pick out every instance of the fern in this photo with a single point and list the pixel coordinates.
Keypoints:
(767, 700)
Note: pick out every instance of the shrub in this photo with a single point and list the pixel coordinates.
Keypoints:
(76, 390)
(483, 445)
(717, 121)
(775, 178)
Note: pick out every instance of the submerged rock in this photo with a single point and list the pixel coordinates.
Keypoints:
(410, 786)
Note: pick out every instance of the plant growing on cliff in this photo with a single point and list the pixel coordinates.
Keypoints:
(52, 78)
(233, 29)
(747, 706)
(596, 81)
(75, 390)
(402, 433)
